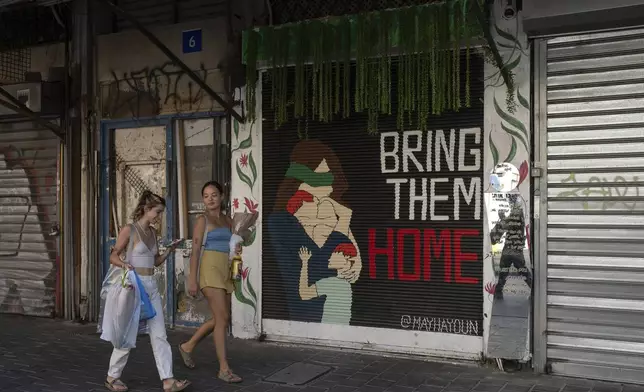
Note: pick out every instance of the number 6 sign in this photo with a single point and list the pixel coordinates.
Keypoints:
(191, 41)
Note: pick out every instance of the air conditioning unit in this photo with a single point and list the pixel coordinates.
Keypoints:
(45, 98)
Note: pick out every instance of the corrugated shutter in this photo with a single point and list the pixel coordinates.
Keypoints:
(163, 12)
(28, 212)
(595, 261)
(405, 286)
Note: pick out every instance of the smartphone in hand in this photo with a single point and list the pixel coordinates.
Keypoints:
(176, 242)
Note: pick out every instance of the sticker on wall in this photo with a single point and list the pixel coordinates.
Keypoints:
(510, 257)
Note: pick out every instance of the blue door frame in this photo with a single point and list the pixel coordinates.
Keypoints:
(107, 128)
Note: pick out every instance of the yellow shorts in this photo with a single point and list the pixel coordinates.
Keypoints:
(214, 271)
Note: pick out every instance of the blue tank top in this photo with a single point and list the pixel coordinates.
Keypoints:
(218, 239)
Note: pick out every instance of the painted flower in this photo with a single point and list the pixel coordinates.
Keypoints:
(523, 172)
(250, 205)
(490, 287)
(243, 160)
(236, 203)
(244, 273)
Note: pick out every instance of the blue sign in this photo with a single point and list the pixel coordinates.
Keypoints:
(191, 41)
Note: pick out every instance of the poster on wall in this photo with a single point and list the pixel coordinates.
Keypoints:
(381, 230)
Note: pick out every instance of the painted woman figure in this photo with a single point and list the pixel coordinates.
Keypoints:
(309, 213)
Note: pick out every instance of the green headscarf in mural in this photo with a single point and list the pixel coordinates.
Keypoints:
(308, 176)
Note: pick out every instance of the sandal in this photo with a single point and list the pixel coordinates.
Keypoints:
(229, 377)
(177, 386)
(116, 385)
(187, 358)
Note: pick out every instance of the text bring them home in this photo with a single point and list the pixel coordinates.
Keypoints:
(432, 169)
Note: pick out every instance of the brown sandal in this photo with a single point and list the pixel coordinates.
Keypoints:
(187, 358)
(229, 377)
(112, 385)
(177, 386)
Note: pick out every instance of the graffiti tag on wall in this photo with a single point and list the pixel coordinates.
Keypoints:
(616, 192)
(151, 91)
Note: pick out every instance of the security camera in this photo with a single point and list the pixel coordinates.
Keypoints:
(509, 10)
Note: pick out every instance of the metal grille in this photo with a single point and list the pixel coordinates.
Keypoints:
(403, 284)
(14, 65)
(595, 215)
(132, 176)
(288, 11)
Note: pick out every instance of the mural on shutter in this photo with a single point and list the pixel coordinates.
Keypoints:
(375, 231)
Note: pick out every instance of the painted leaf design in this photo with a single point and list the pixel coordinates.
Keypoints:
(242, 298)
(243, 176)
(251, 238)
(251, 290)
(495, 152)
(507, 46)
(246, 143)
(513, 64)
(508, 36)
(253, 167)
(513, 151)
(522, 100)
(515, 134)
(236, 128)
(510, 119)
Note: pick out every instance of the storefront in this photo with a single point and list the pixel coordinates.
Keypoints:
(392, 223)
(589, 308)
(374, 232)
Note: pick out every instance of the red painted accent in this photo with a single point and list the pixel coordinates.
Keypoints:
(444, 243)
(373, 252)
(295, 202)
(402, 275)
(460, 257)
(346, 249)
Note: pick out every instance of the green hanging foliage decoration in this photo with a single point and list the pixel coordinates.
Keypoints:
(425, 41)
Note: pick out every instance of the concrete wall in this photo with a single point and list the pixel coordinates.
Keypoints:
(137, 80)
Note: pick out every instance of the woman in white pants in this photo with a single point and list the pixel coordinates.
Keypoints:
(142, 256)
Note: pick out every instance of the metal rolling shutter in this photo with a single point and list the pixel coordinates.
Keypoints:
(28, 211)
(381, 297)
(595, 250)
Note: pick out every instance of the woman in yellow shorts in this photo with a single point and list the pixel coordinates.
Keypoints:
(213, 279)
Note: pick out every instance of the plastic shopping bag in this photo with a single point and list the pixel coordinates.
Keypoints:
(122, 313)
(114, 277)
(147, 310)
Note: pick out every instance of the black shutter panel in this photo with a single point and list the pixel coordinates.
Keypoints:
(416, 274)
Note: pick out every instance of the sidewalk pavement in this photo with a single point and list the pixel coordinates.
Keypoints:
(43, 355)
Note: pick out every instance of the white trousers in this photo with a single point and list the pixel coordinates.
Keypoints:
(158, 338)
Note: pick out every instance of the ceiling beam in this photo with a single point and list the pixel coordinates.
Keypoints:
(174, 58)
(14, 104)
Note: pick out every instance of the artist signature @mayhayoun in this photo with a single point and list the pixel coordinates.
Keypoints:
(442, 325)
